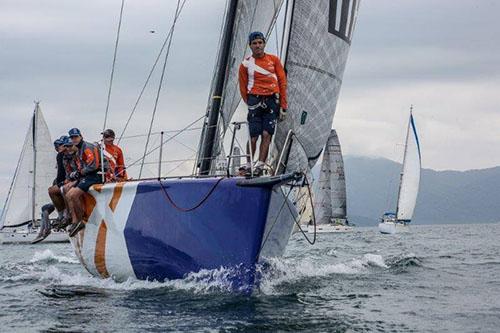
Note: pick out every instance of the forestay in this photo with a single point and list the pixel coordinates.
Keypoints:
(28, 191)
(410, 178)
(317, 40)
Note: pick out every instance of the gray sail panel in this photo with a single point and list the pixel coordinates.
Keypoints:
(337, 177)
(252, 15)
(318, 43)
(323, 195)
(330, 201)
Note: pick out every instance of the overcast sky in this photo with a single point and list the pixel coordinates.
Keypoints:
(441, 56)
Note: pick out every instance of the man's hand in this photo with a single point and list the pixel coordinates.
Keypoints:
(74, 175)
(282, 115)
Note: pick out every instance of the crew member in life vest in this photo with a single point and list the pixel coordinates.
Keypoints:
(263, 84)
(54, 194)
(114, 155)
(88, 174)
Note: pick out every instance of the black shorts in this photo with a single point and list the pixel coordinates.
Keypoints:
(89, 180)
(262, 114)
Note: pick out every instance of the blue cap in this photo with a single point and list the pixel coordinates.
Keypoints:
(57, 143)
(66, 141)
(256, 35)
(74, 132)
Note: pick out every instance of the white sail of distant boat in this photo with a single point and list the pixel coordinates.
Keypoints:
(330, 203)
(34, 174)
(409, 182)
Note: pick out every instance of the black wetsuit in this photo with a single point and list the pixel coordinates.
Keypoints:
(61, 172)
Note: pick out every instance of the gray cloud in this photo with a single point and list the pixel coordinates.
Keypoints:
(441, 56)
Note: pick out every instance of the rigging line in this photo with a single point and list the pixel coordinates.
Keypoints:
(167, 140)
(158, 133)
(203, 200)
(160, 85)
(113, 66)
(212, 83)
(136, 104)
(192, 158)
(276, 29)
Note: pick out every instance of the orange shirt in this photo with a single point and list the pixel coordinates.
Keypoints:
(263, 76)
(114, 155)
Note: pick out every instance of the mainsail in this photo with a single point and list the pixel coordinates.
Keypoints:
(410, 175)
(330, 200)
(316, 44)
(34, 174)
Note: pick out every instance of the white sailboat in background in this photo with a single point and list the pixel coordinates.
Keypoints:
(35, 171)
(408, 186)
(330, 203)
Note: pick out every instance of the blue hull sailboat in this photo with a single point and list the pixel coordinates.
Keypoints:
(168, 228)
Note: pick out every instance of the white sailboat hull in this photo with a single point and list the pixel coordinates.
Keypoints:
(26, 236)
(392, 227)
(329, 228)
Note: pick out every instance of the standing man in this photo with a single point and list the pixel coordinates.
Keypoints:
(114, 155)
(263, 84)
(89, 160)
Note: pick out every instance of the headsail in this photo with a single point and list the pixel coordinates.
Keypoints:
(330, 200)
(34, 174)
(410, 176)
(317, 41)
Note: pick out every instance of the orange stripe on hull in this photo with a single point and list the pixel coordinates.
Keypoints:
(117, 193)
(88, 204)
(100, 251)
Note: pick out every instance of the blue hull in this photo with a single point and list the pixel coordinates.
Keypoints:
(181, 226)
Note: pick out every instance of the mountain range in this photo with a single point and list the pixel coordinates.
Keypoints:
(471, 196)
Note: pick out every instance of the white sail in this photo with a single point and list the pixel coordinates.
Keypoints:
(410, 176)
(28, 191)
(330, 200)
(317, 40)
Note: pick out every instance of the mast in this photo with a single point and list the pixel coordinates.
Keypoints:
(213, 115)
(404, 159)
(33, 191)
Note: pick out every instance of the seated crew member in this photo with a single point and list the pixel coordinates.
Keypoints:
(70, 163)
(261, 79)
(114, 155)
(89, 163)
(54, 194)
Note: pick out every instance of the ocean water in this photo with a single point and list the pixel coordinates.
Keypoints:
(433, 279)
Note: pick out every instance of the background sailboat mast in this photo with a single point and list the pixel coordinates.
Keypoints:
(33, 191)
(404, 159)
(213, 115)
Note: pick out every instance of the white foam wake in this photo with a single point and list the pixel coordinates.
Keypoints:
(287, 270)
(48, 256)
(203, 282)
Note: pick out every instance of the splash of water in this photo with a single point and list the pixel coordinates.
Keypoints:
(47, 256)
